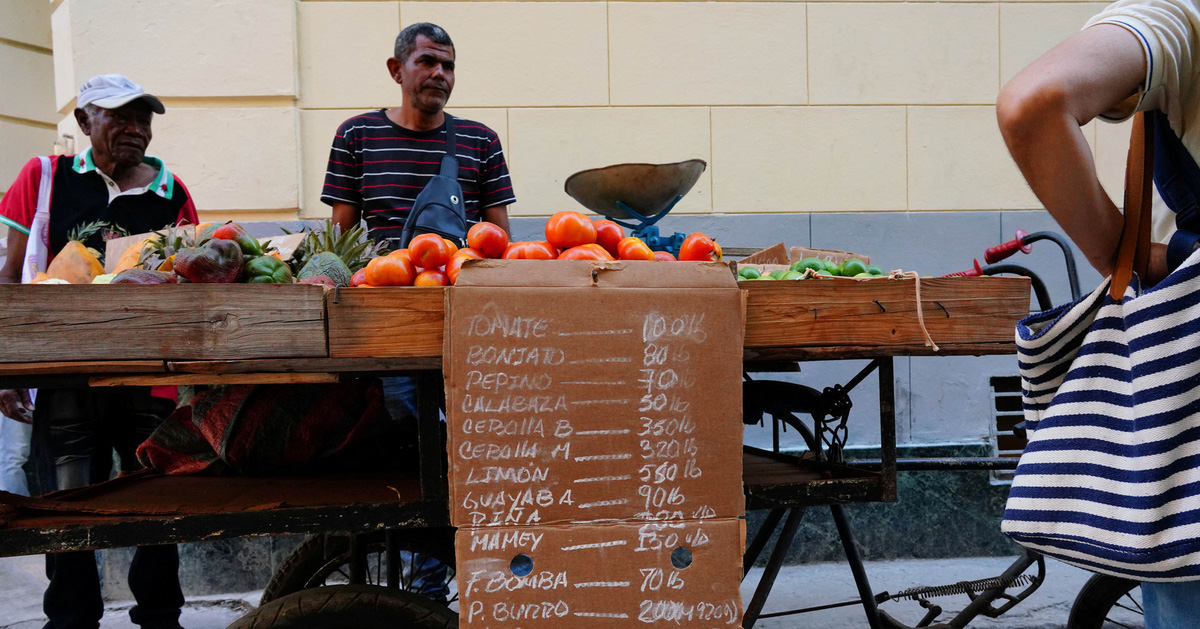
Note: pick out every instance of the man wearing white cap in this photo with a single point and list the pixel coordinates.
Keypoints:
(116, 184)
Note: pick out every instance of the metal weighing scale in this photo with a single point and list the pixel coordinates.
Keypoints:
(636, 196)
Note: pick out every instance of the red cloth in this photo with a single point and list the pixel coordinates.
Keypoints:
(261, 429)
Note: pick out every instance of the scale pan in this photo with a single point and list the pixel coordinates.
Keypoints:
(646, 189)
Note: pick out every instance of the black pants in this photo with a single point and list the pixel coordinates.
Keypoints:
(78, 431)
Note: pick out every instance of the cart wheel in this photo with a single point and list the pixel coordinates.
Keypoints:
(1107, 603)
(342, 606)
(427, 566)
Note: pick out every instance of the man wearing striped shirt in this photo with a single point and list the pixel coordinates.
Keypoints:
(382, 159)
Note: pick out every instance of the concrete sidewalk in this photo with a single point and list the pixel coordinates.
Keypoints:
(22, 582)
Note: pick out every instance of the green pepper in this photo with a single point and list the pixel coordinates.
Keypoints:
(268, 270)
(214, 262)
(232, 231)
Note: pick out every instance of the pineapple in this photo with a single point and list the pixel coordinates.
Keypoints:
(82, 232)
(346, 246)
(159, 251)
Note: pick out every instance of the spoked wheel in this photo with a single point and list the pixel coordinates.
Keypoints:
(1107, 603)
(426, 564)
(349, 607)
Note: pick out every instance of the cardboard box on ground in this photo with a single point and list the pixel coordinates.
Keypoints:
(595, 437)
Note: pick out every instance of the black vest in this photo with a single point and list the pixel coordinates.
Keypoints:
(83, 198)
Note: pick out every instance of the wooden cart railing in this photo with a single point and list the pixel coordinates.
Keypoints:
(54, 336)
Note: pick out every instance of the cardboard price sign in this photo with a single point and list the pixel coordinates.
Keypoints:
(677, 574)
(594, 400)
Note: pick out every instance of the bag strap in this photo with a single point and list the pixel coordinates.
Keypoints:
(1133, 254)
(451, 138)
(37, 254)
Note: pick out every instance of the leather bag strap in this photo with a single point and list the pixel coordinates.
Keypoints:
(1133, 254)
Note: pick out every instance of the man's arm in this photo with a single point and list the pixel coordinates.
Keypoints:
(346, 216)
(1041, 111)
(15, 403)
(498, 215)
(14, 257)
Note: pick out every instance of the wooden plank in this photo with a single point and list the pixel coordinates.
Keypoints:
(83, 366)
(239, 378)
(41, 323)
(882, 313)
(760, 355)
(307, 365)
(386, 322)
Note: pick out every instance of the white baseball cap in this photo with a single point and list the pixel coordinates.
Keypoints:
(114, 90)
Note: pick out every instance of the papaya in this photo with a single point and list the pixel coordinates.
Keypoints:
(327, 263)
(75, 264)
(129, 258)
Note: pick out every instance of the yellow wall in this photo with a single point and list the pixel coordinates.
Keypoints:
(796, 106)
(27, 111)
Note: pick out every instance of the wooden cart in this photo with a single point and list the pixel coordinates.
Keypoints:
(207, 334)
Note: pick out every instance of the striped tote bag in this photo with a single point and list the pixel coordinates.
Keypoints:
(1110, 480)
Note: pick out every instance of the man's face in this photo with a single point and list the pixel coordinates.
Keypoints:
(120, 134)
(427, 76)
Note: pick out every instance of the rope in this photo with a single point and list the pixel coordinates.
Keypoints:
(913, 275)
(899, 275)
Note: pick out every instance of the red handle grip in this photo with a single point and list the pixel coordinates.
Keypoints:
(975, 272)
(1002, 251)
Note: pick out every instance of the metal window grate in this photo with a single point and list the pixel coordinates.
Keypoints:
(1007, 413)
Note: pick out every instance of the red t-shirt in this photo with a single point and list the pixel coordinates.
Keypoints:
(19, 204)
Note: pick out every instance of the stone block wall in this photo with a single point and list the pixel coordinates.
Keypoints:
(821, 106)
(27, 111)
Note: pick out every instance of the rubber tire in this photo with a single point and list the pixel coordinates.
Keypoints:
(349, 607)
(303, 568)
(1096, 599)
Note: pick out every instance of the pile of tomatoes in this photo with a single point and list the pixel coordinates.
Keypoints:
(431, 260)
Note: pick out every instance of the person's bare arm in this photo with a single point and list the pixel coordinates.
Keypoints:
(15, 403)
(1040, 112)
(346, 216)
(498, 215)
(14, 256)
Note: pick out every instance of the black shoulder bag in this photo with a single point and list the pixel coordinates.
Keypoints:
(439, 208)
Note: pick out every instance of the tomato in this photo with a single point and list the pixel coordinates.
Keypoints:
(428, 251)
(390, 270)
(431, 277)
(609, 235)
(359, 278)
(539, 250)
(453, 247)
(664, 256)
(514, 251)
(698, 247)
(488, 239)
(589, 251)
(456, 262)
(401, 252)
(634, 249)
(570, 229)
